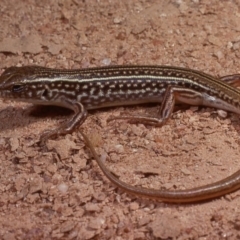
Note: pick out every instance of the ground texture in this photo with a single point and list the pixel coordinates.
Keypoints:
(58, 191)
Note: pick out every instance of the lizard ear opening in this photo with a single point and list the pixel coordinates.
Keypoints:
(45, 93)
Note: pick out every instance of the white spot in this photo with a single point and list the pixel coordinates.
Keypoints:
(101, 93)
(129, 92)
(85, 86)
(210, 98)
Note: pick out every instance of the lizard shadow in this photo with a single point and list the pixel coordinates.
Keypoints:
(19, 117)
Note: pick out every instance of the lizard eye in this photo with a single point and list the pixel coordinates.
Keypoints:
(17, 88)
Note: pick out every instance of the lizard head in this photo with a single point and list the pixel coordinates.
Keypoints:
(26, 84)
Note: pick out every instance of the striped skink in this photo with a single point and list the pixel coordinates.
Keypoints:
(92, 88)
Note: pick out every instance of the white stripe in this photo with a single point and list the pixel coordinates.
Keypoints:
(141, 78)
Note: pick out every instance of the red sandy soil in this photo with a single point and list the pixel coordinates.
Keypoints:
(58, 191)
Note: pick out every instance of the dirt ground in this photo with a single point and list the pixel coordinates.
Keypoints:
(58, 191)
